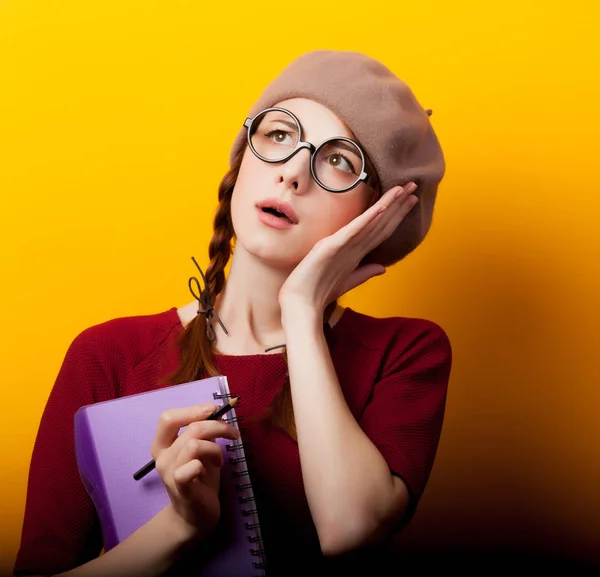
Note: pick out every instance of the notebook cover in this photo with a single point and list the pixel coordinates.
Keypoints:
(112, 441)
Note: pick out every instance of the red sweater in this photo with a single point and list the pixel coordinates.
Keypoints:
(394, 373)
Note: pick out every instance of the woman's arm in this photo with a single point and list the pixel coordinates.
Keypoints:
(148, 552)
(189, 466)
(353, 496)
(351, 492)
(61, 529)
(363, 480)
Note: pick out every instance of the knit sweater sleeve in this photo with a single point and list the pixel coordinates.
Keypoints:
(61, 529)
(405, 414)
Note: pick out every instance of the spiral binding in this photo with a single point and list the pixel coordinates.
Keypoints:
(234, 419)
(240, 470)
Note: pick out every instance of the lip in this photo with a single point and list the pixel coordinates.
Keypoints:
(279, 205)
(272, 220)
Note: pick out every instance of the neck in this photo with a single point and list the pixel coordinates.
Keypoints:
(249, 307)
(249, 304)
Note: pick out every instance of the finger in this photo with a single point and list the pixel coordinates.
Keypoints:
(207, 452)
(172, 420)
(210, 430)
(360, 276)
(206, 430)
(358, 224)
(387, 224)
(395, 195)
(396, 215)
(183, 475)
(371, 218)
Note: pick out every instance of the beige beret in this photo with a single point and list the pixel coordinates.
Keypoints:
(389, 123)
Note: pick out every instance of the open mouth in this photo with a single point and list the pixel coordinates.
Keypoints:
(276, 213)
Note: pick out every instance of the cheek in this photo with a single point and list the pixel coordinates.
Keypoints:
(337, 212)
(244, 196)
(241, 209)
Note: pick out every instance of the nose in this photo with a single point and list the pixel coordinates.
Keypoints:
(295, 172)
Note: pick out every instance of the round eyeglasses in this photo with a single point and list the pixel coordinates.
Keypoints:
(337, 164)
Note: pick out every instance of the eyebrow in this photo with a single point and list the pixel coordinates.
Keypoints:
(343, 144)
(286, 122)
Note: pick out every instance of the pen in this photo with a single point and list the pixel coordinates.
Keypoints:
(218, 413)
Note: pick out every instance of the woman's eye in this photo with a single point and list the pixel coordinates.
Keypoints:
(277, 136)
(338, 160)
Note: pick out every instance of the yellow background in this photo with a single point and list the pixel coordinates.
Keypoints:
(116, 119)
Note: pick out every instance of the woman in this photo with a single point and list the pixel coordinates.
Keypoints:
(342, 411)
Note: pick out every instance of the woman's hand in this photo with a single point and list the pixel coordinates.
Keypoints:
(189, 464)
(330, 269)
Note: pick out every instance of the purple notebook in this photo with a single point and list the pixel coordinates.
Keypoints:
(112, 441)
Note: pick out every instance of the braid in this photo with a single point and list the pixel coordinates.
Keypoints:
(219, 249)
(197, 360)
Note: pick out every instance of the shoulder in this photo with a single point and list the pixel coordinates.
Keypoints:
(385, 333)
(397, 341)
(131, 337)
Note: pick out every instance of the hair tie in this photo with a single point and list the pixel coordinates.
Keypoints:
(205, 306)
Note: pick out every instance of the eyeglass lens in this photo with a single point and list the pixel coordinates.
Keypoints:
(337, 164)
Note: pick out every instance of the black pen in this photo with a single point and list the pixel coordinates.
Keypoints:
(218, 413)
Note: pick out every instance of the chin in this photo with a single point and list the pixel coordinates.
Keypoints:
(276, 258)
(270, 252)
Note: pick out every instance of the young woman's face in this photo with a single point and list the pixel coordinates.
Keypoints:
(319, 213)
